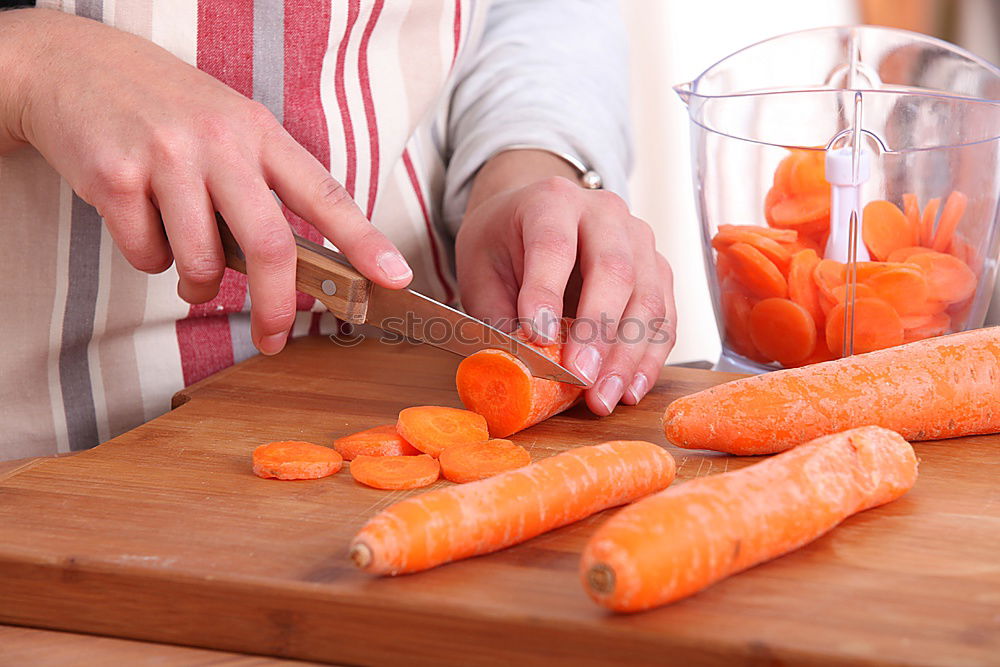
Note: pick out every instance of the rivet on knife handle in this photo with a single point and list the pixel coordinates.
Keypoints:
(314, 266)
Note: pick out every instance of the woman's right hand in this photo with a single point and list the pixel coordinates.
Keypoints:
(145, 138)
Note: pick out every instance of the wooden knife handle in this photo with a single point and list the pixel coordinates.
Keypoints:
(319, 272)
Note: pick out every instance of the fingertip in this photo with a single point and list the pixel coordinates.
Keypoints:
(272, 344)
(394, 268)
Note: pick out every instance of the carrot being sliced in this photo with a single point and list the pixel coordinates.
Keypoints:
(456, 522)
(911, 209)
(903, 288)
(432, 429)
(294, 459)
(382, 440)
(498, 386)
(468, 463)
(935, 325)
(876, 326)
(927, 222)
(756, 272)
(679, 541)
(395, 473)
(951, 214)
(782, 330)
(801, 288)
(949, 279)
(884, 228)
(943, 387)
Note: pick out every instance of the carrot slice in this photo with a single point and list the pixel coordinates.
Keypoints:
(394, 473)
(736, 307)
(902, 255)
(807, 175)
(779, 235)
(801, 288)
(819, 355)
(498, 386)
(770, 248)
(861, 291)
(807, 215)
(782, 330)
(382, 440)
(475, 461)
(949, 279)
(903, 288)
(951, 214)
(828, 275)
(927, 222)
(884, 228)
(936, 325)
(756, 272)
(294, 459)
(672, 544)
(876, 326)
(432, 429)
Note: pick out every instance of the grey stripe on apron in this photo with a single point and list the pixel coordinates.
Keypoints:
(81, 301)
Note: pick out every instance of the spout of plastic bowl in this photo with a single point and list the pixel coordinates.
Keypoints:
(684, 91)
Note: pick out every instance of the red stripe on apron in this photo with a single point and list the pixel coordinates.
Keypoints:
(307, 30)
(225, 50)
(431, 235)
(353, 9)
(366, 97)
(458, 30)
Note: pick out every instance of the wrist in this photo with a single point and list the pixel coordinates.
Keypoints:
(517, 168)
(20, 43)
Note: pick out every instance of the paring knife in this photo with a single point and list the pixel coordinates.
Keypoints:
(328, 276)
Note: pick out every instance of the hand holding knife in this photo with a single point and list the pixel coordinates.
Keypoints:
(326, 275)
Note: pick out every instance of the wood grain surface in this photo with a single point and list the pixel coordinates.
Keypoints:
(164, 534)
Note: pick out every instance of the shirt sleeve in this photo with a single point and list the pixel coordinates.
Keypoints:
(550, 74)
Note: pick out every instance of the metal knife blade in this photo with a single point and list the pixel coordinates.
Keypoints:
(416, 316)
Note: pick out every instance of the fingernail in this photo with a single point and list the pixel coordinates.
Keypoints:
(394, 266)
(588, 362)
(273, 343)
(639, 387)
(545, 324)
(610, 391)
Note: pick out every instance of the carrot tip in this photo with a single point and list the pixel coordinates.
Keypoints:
(601, 579)
(361, 554)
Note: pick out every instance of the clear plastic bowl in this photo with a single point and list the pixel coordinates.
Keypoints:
(926, 116)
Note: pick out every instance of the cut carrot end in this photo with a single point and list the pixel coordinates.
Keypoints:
(361, 555)
(601, 579)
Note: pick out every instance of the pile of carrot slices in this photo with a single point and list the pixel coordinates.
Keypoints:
(424, 443)
(782, 301)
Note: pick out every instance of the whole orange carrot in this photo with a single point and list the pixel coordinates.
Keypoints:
(942, 387)
(498, 386)
(456, 522)
(678, 542)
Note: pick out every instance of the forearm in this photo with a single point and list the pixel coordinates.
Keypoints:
(22, 42)
(515, 169)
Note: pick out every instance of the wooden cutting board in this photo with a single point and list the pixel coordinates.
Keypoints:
(163, 534)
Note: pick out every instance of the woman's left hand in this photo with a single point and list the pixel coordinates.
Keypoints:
(534, 246)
